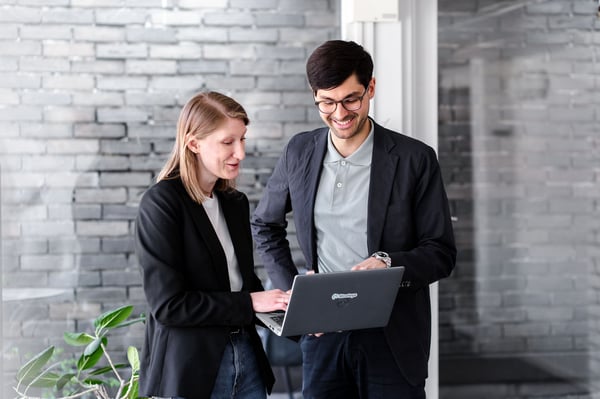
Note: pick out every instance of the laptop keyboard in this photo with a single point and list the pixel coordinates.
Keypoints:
(278, 318)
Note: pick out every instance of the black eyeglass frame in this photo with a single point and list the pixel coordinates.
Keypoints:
(343, 102)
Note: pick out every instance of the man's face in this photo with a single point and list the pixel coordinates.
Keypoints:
(346, 124)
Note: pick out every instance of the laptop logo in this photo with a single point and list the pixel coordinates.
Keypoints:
(343, 299)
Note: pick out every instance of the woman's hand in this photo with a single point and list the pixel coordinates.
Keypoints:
(268, 301)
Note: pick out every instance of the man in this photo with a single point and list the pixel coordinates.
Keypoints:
(363, 197)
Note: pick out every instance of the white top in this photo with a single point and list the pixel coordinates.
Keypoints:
(213, 210)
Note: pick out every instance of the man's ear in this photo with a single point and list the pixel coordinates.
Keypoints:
(194, 146)
(371, 88)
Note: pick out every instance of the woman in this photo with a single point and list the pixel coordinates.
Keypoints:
(194, 246)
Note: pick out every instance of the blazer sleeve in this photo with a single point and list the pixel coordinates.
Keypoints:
(163, 247)
(433, 253)
(269, 226)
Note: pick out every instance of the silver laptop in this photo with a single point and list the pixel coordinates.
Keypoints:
(327, 302)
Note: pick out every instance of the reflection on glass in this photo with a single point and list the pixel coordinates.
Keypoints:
(519, 149)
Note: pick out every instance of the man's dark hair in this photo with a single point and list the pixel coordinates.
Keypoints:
(335, 61)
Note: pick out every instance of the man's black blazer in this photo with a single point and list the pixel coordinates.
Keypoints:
(185, 278)
(408, 217)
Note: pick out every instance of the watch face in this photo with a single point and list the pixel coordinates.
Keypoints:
(384, 257)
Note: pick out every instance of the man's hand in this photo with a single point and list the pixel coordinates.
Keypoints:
(370, 263)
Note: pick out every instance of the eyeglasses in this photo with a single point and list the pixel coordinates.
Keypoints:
(349, 104)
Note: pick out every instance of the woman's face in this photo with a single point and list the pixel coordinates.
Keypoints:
(220, 153)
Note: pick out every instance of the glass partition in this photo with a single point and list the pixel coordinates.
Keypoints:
(519, 147)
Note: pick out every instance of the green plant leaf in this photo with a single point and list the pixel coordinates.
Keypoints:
(106, 369)
(33, 367)
(36, 372)
(92, 347)
(141, 318)
(64, 380)
(133, 391)
(113, 318)
(46, 380)
(88, 361)
(77, 339)
(134, 358)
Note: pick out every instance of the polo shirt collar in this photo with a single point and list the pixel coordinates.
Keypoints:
(362, 156)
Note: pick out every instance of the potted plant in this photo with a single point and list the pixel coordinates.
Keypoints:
(86, 376)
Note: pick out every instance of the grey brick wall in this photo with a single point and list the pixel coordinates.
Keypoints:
(89, 95)
(519, 149)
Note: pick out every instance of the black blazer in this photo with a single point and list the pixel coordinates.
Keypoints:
(185, 278)
(408, 217)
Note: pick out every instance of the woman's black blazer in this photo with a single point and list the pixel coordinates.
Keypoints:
(192, 310)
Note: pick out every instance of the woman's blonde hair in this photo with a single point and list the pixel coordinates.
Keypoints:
(202, 115)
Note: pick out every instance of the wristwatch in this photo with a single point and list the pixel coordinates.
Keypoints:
(384, 257)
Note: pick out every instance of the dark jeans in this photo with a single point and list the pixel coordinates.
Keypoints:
(353, 365)
(239, 376)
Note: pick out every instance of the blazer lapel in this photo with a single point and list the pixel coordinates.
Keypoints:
(314, 161)
(383, 170)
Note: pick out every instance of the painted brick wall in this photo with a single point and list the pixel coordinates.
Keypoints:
(89, 94)
(90, 90)
(520, 150)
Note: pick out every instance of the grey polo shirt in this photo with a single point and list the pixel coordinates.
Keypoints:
(341, 207)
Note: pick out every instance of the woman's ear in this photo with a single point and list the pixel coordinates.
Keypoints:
(193, 146)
